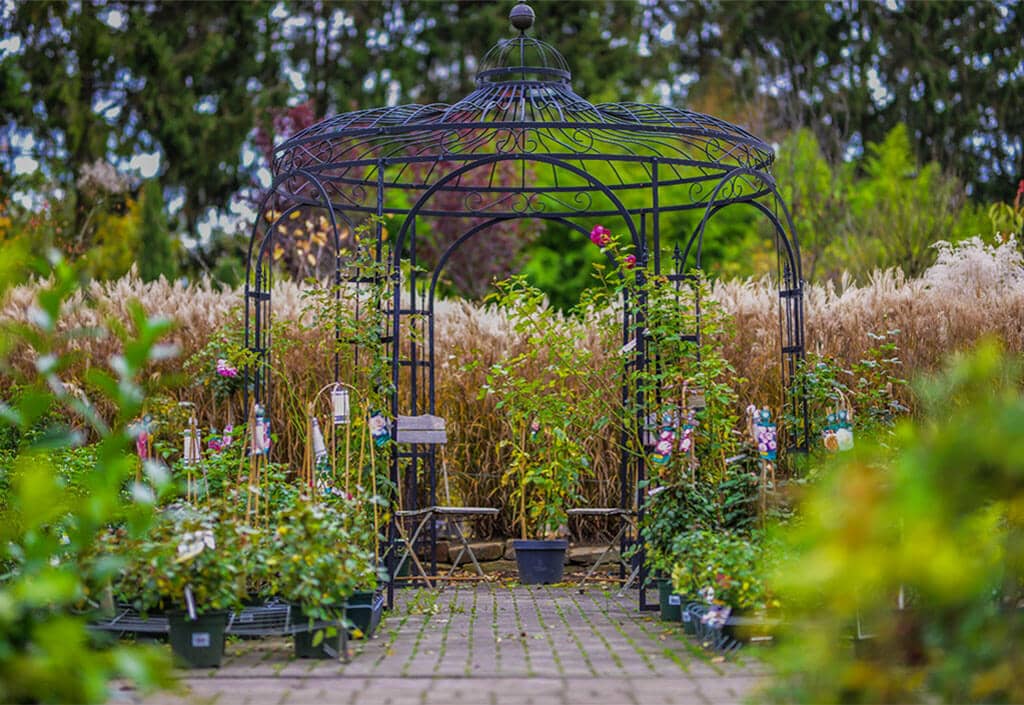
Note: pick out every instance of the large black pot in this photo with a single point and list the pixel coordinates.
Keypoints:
(540, 562)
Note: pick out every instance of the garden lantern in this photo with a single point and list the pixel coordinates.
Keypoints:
(340, 405)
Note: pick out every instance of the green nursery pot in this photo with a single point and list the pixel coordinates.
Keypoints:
(669, 602)
(329, 647)
(197, 643)
(363, 611)
(688, 619)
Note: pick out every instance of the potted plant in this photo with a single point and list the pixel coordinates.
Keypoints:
(547, 398)
(727, 572)
(364, 608)
(317, 566)
(668, 512)
(544, 475)
(189, 565)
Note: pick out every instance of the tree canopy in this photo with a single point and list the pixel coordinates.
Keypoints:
(197, 84)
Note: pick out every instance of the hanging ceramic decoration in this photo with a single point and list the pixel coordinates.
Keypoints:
(142, 441)
(319, 446)
(340, 405)
(766, 435)
(379, 429)
(261, 433)
(844, 430)
(534, 429)
(828, 434)
(266, 435)
(222, 441)
(191, 451)
(686, 435)
(666, 440)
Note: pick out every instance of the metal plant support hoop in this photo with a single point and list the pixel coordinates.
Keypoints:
(560, 158)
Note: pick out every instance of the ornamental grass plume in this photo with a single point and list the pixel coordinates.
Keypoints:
(974, 288)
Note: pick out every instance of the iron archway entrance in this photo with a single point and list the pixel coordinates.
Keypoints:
(522, 145)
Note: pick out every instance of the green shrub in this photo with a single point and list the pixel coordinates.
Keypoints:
(49, 522)
(721, 569)
(317, 560)
(933, 524)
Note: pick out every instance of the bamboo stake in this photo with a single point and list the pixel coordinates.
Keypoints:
(376, 509)
(348, 448)
(251, 500)
(522, 493)
(308, 472)
(362, 446)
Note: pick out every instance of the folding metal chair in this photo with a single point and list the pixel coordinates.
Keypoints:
(427, 429)
(627, 528)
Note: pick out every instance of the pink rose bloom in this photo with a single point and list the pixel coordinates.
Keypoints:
(226, 370)
(601, 236)
(630, 261)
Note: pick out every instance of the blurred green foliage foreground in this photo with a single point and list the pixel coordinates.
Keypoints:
(933, 520)
(48, 584)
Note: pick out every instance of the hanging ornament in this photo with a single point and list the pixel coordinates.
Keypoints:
(319, 447)
(534, 429)
(339, 404)
(844, 431)
(766, 435)
(686, 434)
(379, 429)
(828, 434)
(190, 453)
(261, 433)
(142, 438)
(663, 448)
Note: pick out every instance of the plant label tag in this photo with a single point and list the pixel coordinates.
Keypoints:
(628, 347)
(201, 640)
(675, 600)
(190, 603)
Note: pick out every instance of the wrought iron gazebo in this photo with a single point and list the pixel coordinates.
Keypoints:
(523, 144)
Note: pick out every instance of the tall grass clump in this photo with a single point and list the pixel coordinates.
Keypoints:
(974, 289)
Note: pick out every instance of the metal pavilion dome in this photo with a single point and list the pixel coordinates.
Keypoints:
(523, 107)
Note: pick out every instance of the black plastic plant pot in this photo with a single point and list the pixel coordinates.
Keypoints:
(405, 570)
(689, 617)
(540, 562)
(746, 625)
(326, 646)
(363, 611)
(197, 643)
(670, 603)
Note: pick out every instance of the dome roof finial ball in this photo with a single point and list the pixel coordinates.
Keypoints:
(521, 17)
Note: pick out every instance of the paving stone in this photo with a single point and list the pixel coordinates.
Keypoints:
(485, 551)
(488, 644)
(588, 555)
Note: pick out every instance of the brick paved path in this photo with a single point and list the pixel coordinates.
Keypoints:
(487, 644)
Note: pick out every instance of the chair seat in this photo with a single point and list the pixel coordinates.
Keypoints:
(425, 515)
(465, 511)
(628, 518)
(599, 512)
